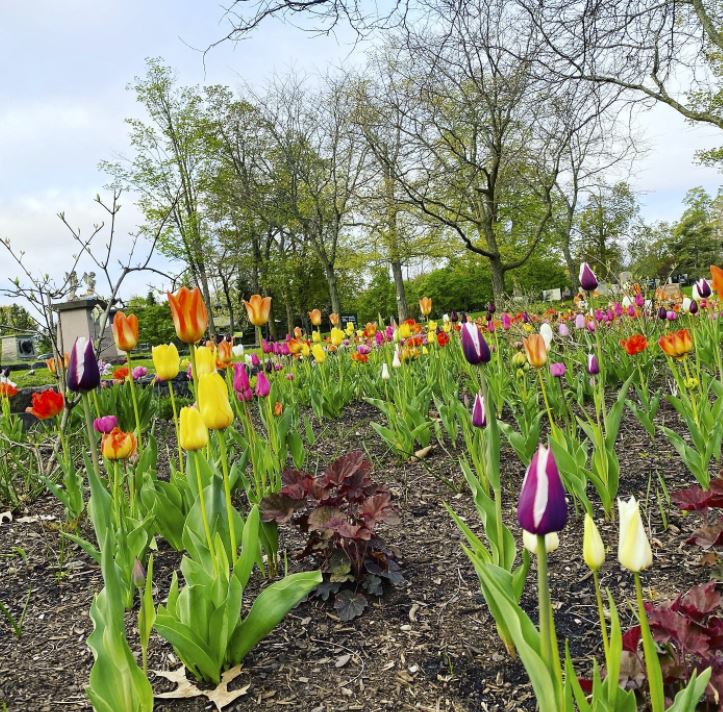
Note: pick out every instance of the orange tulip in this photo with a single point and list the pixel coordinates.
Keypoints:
(334, 319)
(53, 364)
(224, 355)
(118, 445)
(46, 404)
(189, 314)
(298, 333)
(425, 305)
(7, 389)
(536, 350)
(294, 346)
(676, 344)
(125, 331)
(315, 317)
(257, 309)
(717, 274)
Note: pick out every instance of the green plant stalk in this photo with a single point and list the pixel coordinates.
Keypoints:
(116, 492)
(89, 433)
(545, 399)
(652, 664)
(194, 369)
(543, 602)
(134, 400)
(175, 425)
(202, 503)
(601, 615)
(227, 494)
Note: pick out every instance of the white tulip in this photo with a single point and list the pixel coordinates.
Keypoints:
(634, 552)
(529, 541)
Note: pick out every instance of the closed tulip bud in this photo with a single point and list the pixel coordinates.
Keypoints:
(536, 350)
(213, 402)
(563, 330)
(557, 370)
(118, 445)
(474, 346)
(205, 361)
(166, 361)
(258, 309)
(263, 387)
(546, 334)
(224, 354)
(716, 274)
(255, 361)
(634, 552)
(491, 308)
(125, 331)
(138, 575)
(334, 319)
(662, 313)
(639, 299)
(529, 541)
(425, 306)
(240, 377)
(588, 280)
(518, 359)
(593, 368)
(506, 321)
(479, 415)
(189, 314)
(385, 372)
(542, 508)
(453, 317)
(105, 424)
(396, 361)
(671, 315)
(192, 430)
(315, 317)
(238, 350)
(83, 371)
(593, 549)
(580, 321)
(317, 351)
(693, 307)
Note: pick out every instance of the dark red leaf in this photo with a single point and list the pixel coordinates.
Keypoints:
(349, 605)
(278, 508)
(708, 537)
(377, 509)
(699, 601)
(323, 517)
(344, 467)
(631, 639)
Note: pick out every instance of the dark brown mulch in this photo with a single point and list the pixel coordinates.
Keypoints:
(428, 645)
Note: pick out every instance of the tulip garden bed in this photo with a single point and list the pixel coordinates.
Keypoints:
(428, 644)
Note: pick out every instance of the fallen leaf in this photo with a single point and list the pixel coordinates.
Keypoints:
(221, 696)
(342, 660)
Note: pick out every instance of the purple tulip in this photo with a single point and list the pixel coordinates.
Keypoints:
(389, 333)
(693, 308)
(631, 311)
(542, 508)
(580, 321)
(703, 288)
(557, 370)
(284, 349)
(588, 280)
(379, 338)
(563, 330)
(105, 424)
(525, 318)
(618, 307)
(139, 372)
(599, 315)
(591, 325)
(240, 378)
(491, 307)
(266, 347)
(662, 313)
(479, 414)
(268, 366)
(474, 347)
(263, 387)
(289, 376)
(671, 315)
(363, 349)
(593, 367)
(83, 372)
(639, 299)
(255, 360)
(506, 321)
(491, 325)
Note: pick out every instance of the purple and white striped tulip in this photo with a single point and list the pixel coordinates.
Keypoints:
(542, 507)
(588, 280)
(83, 371)
(474, 347)
(479, 413)
(593, 367)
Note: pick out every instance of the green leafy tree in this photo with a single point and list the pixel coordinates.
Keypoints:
(697, 241)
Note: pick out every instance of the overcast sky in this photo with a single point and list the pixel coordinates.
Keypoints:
(63, 99)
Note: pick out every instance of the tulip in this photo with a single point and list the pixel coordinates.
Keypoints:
(118, 445)
(701, 289)
(263, 387)
(676, 344)
(83, 372)
(315, 317)
(224, 354)
(334, 319)
(317, 351)
(557, 370)
(139, 372)
(593, 549)
(125, 331)
(238, 350)
(587, 278)
(193, 431)
(166, 361)
(563, 330)
(693, 307)
(336, 336)
(7, 388)
(546, 334)
(425, 306)
(529, 541)
(479, 415)
(385, 372)
(316, 337)
(453, 317)
(593, 368)
(240, 377)
(105, 424)
(542, 508)
(580, 321)
(634, 552)
(396, 361)
(189, 314)
(474, 347)
(138, 575)
(506, 321)
(213, 402)
(536, 350)
(46, 404)
(205, 361)
(258, 309)
(635, 344)
(662, 313)
(639, 299)
(631, 311)
(255, 360)
(671, 315)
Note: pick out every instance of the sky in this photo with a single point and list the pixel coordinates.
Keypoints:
(63, 100)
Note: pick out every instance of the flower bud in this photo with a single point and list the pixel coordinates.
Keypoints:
(593, 549)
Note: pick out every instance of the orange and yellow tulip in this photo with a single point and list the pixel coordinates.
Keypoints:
(315, 317)
(258, 309)
(676, 344)
(536, 350)
(334, 319)
(425, 306)
(189, 314)
(118, 445)
(53, 364)
(125, 331)
(717, 275)
(224, 354)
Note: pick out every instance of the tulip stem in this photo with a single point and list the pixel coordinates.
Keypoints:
(116, 492)
(545, 399)
(543, 602)
(89, 432)
(652, 664)
(601, 614)
(202, 504)
(194, 370)
(172, 396)
(227, 493)
(134, 400)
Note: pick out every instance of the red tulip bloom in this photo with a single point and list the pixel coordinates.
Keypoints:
(47, 404)
(635, 344)
(7, 389)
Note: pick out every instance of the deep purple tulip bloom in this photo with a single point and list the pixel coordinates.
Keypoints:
(588, 280)
(542, 508)
(83, 371)
(703, 288)
(525, 318)
(474, 347)
(263, 387)
(557, 370)
(491, 307)
(479, 413)
(693, 308)
(268, 366)
(453, 317)
(639, 299)
(105, 424)
(662, 313)
(593, 367)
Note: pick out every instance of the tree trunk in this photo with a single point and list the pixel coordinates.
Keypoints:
(498, 278)
(399, 287)
(333, 293)
(203, 279)
(570, 264)
(289, 317)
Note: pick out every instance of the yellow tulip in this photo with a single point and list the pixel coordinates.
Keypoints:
(405, 331)
(593, 548)
(258, 309)
(318, 352)
(350, 328)
(316, 337)
(213, 402)
(193, 431)
(536, 350)
(432, 325)
(634, 552)
(447, 327)
(315, 317)
(305, 350)
(205, 361)
(336, 336)
(166, 361)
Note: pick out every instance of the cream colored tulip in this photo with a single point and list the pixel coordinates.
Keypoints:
(634, 552)
(593, 548)
(529, 541)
